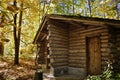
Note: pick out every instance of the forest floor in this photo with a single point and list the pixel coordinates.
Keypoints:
(24, 71)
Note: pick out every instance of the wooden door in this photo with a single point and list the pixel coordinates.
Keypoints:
(93, 56)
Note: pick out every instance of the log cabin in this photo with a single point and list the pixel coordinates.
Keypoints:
(72, 45)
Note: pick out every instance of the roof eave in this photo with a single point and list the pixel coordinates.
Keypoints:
(44, 20)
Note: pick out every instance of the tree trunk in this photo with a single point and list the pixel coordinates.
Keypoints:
(19, 26)
(117, 12)
(17, 34)
(89, 4)
(73, 7)
(16, 61)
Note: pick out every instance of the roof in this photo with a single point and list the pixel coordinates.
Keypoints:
(76, 20)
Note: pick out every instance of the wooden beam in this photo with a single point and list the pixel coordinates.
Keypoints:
(78, 24)
(57, 23)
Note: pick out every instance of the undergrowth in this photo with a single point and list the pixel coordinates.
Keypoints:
(106, 75)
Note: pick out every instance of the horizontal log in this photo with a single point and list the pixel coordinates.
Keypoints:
(92, 33)
(89, 27)
(105, 33)
(81, 46)
(74, 48)
(78, 44)
(92, 29)
(58, 36)
(56, 55)
(104, 37)
(104, 41)
(58, 45)
(59, 48)
(58, 27)
(58, 41)
(58, 60)
(58, 33)
(75, 41)
(77, 51)
(57, 52)
(77, 57)
(77, 38)
(74, 45)
(62, 49)
(77, 54)
(104, 45)
(59, 64)
(59, 57)
(77, 61)
(73, 29)
(105, 54)
(103, 49)
(77, 48)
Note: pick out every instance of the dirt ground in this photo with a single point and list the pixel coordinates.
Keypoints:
(24, 71)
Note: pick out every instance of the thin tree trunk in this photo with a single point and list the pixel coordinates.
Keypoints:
(19, 26)
(89, 4)
(117, 13)
(17, 34)
(16, 62)
(73, 7)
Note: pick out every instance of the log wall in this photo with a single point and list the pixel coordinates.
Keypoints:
(68, 45)
(58, 47)
(41, 53)
(77, 44)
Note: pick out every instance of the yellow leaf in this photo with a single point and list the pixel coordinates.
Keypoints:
(4, 5)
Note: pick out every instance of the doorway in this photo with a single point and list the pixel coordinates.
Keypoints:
(93, 55)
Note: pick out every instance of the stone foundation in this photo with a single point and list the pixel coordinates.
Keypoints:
(77, 71)
(67, 73)
(59, 71)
